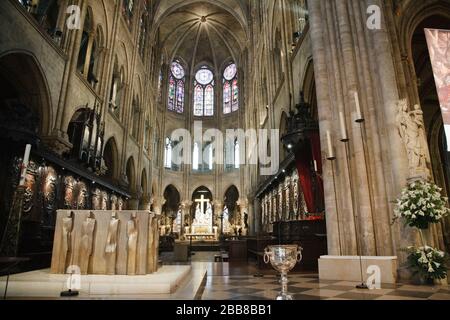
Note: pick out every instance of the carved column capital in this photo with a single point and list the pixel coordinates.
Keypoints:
(186, 205)
(58, 142)
(242, 203)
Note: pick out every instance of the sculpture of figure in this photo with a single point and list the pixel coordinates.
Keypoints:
(96, 199)
(132, 233)
(104, 200)
(295, 197)
(114, 202)
(153, 263)
(68, 196)
(87, 241)
(111, 244)
(280, 203)
(411, 129)
(287, 189)
(82, 196)
(120, 204)
(66, 242)
(49, 188)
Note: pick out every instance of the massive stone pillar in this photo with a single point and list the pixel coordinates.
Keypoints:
(360, 185)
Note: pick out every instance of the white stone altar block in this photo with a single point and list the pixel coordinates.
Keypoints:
(347, 268)
(146, 251)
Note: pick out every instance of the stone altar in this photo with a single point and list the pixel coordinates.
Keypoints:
(106, 242)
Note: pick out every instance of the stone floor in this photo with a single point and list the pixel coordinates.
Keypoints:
(211, 280)
(309, 287)
(236, 281)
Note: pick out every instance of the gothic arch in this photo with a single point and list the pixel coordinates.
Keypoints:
(26, 77)
(111, 157)
(131, 174)
(414, 14)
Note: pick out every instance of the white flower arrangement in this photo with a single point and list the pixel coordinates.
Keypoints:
(428, 262)
(420, 204)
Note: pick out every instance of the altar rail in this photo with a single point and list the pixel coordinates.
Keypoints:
(105, 242)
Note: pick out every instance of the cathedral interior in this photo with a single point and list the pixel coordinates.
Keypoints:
(195, 132)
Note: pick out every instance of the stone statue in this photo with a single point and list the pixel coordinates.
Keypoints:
(68, 195)
(120, 204)
(104, 200)
(87, 241)
(66, 243)
(111, 244)
(96, 199)
(114, 201)
(132, 233)
(412, 131)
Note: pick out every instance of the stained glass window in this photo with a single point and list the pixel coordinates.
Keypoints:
(204, 93)
(226, 97)
(198, 101)
(127, 11)
(209, 100)
(176, 88)
(230, 89)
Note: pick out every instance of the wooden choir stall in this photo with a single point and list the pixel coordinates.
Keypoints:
(105, 242)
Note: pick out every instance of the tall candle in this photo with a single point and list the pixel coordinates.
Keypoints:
(358, 107)
(344, 136)
(26, 160)
(330, 145)
(315, 166)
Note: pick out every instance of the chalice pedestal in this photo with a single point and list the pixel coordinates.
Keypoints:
(283, 258)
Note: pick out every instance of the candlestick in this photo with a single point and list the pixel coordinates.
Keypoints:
(359, 117)
(26, 159)
(330, 147)
(344, 136)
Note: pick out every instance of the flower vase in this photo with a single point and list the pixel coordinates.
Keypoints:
(421, 280)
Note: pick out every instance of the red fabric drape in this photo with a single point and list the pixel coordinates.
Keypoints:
(303, 163)
(304, 159)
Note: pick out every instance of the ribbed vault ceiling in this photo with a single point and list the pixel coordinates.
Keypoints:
(202, 32)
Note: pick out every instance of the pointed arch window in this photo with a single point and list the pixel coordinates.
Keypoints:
(230, 89)
(127, 11)
(204, 93)
(176, 88)
(142, 34)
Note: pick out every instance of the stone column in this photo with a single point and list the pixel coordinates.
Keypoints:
(146, 202)
(185, 207)
(354, 59)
